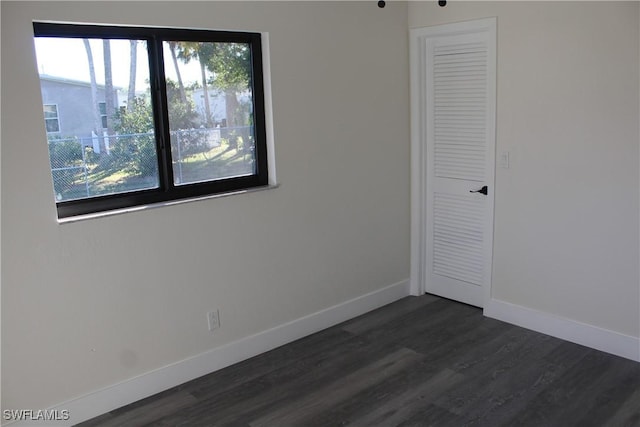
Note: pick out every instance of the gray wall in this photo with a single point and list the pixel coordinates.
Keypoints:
(92, 303)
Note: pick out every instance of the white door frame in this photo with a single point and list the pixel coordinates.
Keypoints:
(419, 210)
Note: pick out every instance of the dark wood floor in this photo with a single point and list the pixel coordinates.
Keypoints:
(421, 361)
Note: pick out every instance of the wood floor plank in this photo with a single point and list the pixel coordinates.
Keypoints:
(361, 404)
(510, 373)
(460, 349)
(549, 406)
(382, 316)
(98, 421)
(324, 398)
(430, 324)
(567, 354)
(499, 400)
(611, 388)
(314, 348)
(404, 406)
(447, 346)
(210, 411)
(151, 411)
(278, 387)
(432, 416)
(505, 348)
(628, 414)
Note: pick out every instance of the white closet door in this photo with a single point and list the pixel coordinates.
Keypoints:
(458, 121)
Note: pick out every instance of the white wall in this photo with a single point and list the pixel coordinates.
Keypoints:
(93, 303)
(566, 211)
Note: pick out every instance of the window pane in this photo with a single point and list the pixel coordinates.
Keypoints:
(50, 112)
(210, 107)
(104, 142)
(52, 125)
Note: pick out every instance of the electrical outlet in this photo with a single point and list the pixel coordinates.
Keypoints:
(213, 319)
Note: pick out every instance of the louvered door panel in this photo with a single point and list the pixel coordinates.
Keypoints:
(458, 237)
(460, 110)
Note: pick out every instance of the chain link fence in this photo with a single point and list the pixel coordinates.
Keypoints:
(95, 166)
(187, 144)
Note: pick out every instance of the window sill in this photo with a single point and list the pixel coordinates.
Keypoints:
(162, 204)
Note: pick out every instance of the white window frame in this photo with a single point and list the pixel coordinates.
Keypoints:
(56, 118)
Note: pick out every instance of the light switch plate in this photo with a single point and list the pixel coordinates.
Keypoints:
(503, 160)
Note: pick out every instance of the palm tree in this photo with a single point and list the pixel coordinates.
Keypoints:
(133, 62)
(108, 85)
(183, 94)
(97, 125)
(203, 52)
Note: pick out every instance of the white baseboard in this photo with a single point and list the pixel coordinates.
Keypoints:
(136, 388)
(570, 330)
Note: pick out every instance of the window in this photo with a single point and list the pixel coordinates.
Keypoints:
(51, 118)
(102, 107)
(140, 133)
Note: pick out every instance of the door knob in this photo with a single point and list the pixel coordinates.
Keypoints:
(484, 190)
